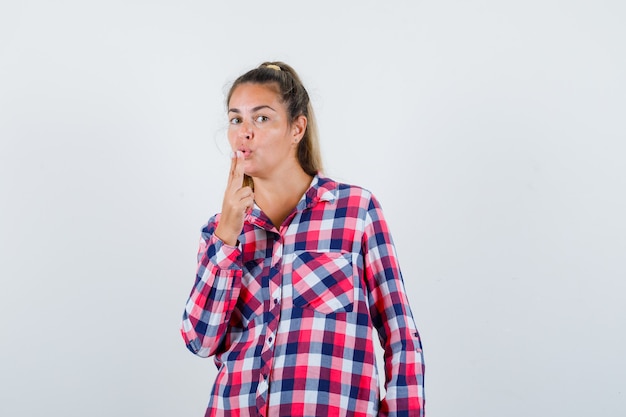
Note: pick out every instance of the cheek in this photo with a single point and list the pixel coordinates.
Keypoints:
(232, 137)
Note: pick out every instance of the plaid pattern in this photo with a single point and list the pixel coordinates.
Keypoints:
(289, 313)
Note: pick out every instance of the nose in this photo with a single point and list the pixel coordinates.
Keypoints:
(245, 131)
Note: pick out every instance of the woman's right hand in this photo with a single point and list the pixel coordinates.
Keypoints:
(238, 201)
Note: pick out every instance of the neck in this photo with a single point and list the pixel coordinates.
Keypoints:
(278, 196)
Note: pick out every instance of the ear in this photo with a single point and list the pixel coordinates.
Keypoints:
(298, 128)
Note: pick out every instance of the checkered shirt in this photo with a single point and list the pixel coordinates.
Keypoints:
(289, 313)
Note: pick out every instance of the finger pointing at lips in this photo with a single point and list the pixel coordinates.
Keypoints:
(238, 201)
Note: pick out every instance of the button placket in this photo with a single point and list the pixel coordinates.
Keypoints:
(271, 325)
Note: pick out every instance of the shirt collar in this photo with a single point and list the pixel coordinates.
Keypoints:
(321, 189)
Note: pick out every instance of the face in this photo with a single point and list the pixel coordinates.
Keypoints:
(260, 128)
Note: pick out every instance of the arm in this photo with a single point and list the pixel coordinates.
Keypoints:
(218, 279)
(214, 295)
(392, 317)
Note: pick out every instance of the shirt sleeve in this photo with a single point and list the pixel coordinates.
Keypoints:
(214, 294)
(393, 319)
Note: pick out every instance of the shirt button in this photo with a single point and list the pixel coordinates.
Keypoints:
(275, 300)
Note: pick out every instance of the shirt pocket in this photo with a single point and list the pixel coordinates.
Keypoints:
(323, 281)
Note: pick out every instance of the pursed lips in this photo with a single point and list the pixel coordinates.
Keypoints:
(245, 151)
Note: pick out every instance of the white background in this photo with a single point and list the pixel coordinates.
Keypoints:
(493, 133)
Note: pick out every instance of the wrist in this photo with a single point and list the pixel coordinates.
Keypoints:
(228, 238)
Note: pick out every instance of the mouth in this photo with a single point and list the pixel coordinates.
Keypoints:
(246, 152)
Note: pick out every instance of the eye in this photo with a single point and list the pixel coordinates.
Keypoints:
(261, 119)
(235, 121)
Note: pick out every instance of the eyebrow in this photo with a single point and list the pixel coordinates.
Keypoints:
(254, 109)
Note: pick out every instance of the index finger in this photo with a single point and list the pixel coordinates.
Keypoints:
(236, 171)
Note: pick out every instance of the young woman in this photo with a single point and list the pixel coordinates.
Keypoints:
(295, 273)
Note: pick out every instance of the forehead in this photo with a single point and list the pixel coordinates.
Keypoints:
(253, 94)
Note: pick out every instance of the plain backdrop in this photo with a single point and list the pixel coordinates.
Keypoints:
(492, 132)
